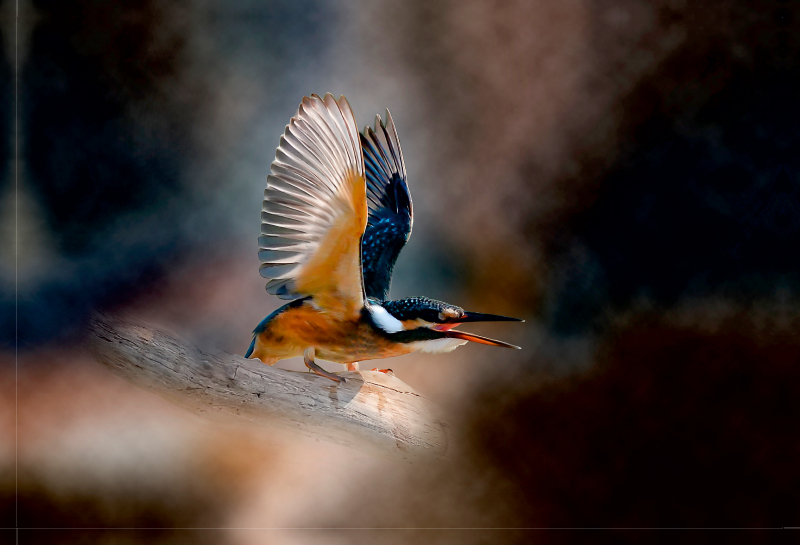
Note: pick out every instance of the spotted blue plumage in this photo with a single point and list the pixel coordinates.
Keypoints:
(423, 308)
(390, 209)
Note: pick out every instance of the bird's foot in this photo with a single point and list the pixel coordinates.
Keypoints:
(387, 371)
(308, 359)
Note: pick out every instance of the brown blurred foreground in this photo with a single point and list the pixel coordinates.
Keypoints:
(677, 425)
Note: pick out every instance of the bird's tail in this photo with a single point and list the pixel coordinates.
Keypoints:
(252, 347)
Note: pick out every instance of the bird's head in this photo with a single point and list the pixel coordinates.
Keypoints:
(419, 318)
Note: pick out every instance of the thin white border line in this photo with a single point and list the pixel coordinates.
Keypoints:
(16, 268)
(406, 528)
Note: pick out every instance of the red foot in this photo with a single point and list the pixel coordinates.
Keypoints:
(387, 371)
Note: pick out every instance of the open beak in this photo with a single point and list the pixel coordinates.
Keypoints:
(454, 334)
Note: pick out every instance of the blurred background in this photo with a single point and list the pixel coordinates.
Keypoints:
(622, 174)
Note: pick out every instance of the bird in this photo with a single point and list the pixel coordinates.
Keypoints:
(336, 213)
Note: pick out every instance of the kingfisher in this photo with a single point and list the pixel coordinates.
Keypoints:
(337, 212)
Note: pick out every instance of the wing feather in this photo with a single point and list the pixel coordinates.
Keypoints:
(390, 209)
(315, 208)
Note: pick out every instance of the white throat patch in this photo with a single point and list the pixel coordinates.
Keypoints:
(384, 320)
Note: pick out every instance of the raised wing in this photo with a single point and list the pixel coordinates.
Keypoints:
(315, 209)
(390, 210)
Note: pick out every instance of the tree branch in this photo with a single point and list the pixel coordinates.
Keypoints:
(372, 412)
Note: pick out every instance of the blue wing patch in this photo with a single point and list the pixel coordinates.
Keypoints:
(390, 208)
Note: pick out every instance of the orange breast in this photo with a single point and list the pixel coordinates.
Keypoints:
(342, 341)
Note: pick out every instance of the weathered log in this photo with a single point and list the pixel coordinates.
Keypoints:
(371, 412)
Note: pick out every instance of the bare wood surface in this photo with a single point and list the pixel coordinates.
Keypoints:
(372, 412)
